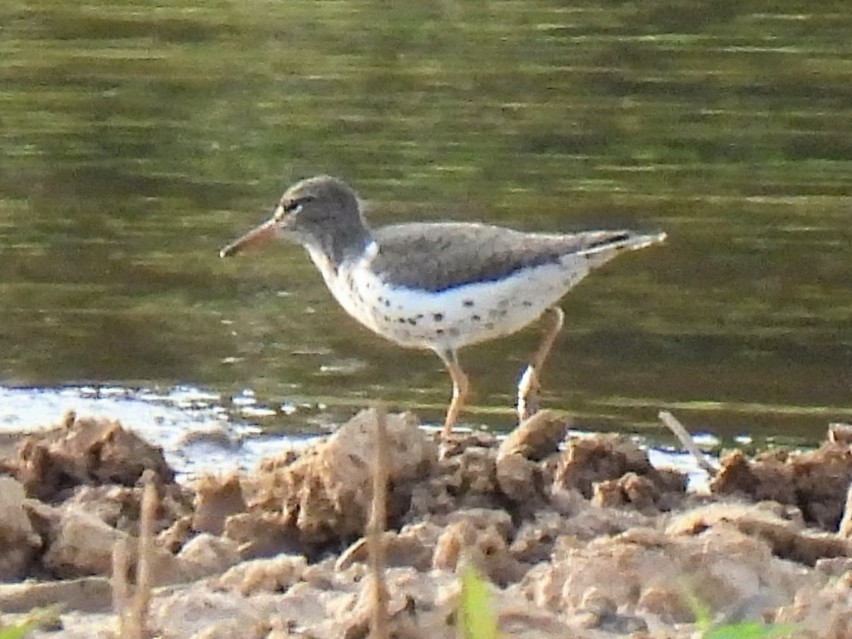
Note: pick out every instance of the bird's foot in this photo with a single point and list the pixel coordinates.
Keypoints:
(456, 443)
(446, 449)
(528, 388)
(451, 444)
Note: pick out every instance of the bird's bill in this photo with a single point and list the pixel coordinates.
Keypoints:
(256, 237)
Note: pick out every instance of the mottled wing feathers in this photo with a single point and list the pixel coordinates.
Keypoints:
(437, 257)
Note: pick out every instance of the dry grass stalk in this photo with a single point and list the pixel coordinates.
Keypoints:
(120, 587)
(845, 529)
(133, 610)
(671, 422)
(376, 529)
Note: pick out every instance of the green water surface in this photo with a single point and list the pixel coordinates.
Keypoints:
(136, 140)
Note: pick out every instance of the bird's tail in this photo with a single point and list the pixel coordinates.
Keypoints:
(602, 246)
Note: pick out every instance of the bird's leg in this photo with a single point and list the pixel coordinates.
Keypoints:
(460, 389)
(528, 385)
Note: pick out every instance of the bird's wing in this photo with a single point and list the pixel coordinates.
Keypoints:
(437, 257)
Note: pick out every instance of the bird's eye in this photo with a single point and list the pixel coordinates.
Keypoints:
(293, 206)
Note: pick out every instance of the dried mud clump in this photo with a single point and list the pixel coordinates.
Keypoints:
(86, 452)
(73, 491)
(614, 471)
(216, 499)
(322, 496)
(575, 538)
(814, 481)
(18, 539)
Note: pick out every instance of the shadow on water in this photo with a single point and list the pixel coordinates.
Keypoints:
(136, 141)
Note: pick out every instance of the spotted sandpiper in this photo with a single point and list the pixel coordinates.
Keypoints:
(439, 286)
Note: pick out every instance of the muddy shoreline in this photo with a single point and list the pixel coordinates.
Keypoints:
(576, 537)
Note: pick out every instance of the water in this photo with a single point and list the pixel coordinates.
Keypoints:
(193, 427)
(136, 141)
(197, 431)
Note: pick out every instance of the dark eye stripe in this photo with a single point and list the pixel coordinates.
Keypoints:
(294, 204)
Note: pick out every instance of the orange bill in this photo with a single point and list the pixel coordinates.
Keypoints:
(256, 237)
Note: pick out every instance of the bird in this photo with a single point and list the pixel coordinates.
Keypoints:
(439, 286)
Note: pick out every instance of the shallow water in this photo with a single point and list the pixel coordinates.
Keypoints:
(136, 141)
(202, 433)
(192, 426)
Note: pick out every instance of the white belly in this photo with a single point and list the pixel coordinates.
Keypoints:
(456, 317)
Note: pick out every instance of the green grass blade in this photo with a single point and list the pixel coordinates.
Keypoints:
(18, 631)
(476, 612)
(749, 630)
(36, 618)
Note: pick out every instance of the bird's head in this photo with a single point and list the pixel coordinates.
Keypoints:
(320, 213)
